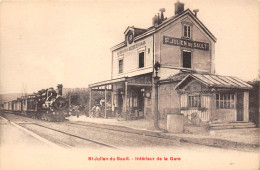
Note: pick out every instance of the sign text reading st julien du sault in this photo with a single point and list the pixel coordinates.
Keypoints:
(186, 43)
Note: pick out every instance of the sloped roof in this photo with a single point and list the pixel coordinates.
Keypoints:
(137, 31)
(153, 29)
(188, 11)
(217, 81)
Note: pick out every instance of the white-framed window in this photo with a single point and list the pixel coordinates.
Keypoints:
(129, 102)
(194, 101)
(186, 31)
(225, 101)
(120, 64)
(141, 57)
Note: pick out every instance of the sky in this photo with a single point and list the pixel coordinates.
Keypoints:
(46, 42)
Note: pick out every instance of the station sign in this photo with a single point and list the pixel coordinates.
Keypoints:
(185, 43)
(131, 47)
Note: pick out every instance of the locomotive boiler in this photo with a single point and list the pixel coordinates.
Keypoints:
(51, 105)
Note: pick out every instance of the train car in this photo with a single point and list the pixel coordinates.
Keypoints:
(11, 105)
(6, 106)
(17, 105)
(31, 104)
(23, 104)
(1, 106)
(30, 107)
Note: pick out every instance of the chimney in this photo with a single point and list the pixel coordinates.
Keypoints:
(155, 20)
(179, 7)
(162, 10)
(59, 86)
(158, 19)
(195, 12)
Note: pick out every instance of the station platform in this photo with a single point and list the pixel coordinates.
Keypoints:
(245, 139)
(12, 136)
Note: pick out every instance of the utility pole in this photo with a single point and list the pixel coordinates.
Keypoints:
(156, 83)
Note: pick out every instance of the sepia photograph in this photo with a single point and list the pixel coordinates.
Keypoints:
(130, 84)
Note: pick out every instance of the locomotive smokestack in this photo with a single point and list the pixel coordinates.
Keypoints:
(59, 86)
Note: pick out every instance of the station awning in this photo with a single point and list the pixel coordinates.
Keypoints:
(106, 82)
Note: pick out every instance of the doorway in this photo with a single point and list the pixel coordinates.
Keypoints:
(118, 98)
(240, 106)
(186, 59)
(140, 100)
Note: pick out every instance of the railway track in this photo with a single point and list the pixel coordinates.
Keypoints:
(106, 130)
(108, 127)
(141, 133)
(75, 136)
(126, 130)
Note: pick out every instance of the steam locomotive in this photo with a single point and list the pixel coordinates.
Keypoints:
(46, 104)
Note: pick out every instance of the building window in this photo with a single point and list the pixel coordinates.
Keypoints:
(187, 31)
(186, 59)
(135, 102)
(129, 102)
(115, 100)
(194, 101)
(225, 101)
(141, 59)
(120, 64)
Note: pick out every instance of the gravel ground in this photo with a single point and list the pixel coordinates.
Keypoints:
(142, 124)
(245, 135)
(196, 156)
(109, 137)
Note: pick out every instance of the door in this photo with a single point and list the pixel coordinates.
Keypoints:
(186, 59)
(140, 100)
(120, 101)
(240, 106)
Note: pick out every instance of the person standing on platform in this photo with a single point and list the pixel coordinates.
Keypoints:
(97, 111)
(93, 112)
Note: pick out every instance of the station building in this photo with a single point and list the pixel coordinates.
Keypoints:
(185, 49)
